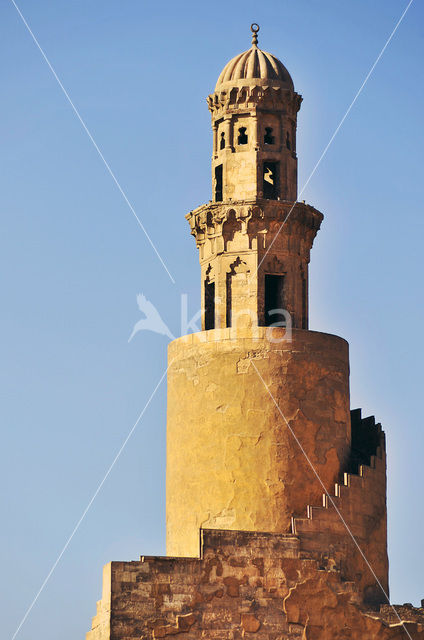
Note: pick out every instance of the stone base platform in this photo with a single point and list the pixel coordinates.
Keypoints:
(244, 584)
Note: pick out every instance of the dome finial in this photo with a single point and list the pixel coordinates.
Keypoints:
(254, 28)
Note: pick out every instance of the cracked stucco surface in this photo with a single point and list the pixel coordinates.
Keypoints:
(231, 460)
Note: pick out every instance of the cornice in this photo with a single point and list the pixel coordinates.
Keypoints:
(248, 96)
(254, 217)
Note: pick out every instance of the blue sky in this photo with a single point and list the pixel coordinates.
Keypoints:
(73, 259)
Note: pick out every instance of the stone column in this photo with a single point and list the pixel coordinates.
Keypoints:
(255, 132)
(227, 131)
(215, 139)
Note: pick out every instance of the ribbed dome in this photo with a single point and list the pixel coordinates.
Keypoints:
(255, 64)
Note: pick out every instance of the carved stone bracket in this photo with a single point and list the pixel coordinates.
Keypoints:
(273, 97)
(289, 222)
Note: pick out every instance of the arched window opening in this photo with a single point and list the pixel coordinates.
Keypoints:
(229, 301)
(209, 305)
(274, 298)
(268, 137)
(271, 186)
(288, 144)
(218, 183)
(222, 142)
(242, 137)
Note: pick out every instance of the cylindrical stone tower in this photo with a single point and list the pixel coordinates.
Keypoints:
(231, 463)
(258, 405)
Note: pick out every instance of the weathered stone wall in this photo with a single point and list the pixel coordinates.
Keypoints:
(349, 529)
(244, 585)
(232, 462)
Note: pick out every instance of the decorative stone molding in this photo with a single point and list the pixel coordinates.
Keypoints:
(256, 218)
(238, 266)
(274, 265)
(249, 96)
(209, 274)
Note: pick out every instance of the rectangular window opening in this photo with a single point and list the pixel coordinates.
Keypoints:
(271, 180)
(274, 298)
(304, 304)
(209, 305)
(218, 183)
(229, 300)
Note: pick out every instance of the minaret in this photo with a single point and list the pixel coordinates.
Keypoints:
(232, 461)
(254, 239)
(276, 491)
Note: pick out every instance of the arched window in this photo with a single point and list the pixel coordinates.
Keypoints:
(209, 305)
(288, 145)
(218, 183)
(268, 137)
(271, 182)
(222, 142)
(229, 301)
(242, 137)
(274, 297)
